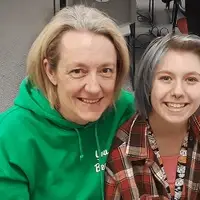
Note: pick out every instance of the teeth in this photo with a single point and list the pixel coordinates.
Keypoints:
(90, 101)
(176, 105)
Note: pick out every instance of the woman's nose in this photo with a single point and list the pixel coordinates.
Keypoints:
(178, 90)
(92, 84)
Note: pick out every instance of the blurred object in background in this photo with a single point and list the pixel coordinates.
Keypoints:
(193, 16)
(182, 25)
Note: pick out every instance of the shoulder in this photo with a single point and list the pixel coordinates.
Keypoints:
(14, 122)
(16, 139)
(125, 105)
(124, 132)
(119, 145)
(126, 100)
(126, 97)
(9, 117)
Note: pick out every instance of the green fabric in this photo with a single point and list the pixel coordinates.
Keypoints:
(45, 157)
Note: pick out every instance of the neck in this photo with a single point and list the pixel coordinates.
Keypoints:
(168, 133)
(163, 128)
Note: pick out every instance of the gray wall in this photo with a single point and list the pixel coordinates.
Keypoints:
(120, 10)
(20, 23)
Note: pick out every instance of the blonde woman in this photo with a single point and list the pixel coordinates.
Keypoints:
(55, 139)
(155, 154)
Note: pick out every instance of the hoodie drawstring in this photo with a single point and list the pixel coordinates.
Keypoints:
(80, 144)
(101, 172)
(99, 153)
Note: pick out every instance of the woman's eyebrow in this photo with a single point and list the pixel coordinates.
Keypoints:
(81, 64)
(164, 71)
(193, 73)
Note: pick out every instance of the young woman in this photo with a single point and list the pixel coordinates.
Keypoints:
(55, 139)
(156, 153)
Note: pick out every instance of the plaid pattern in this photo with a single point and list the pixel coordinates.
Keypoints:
(133, 170)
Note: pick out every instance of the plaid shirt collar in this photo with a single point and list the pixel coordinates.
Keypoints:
(142, 152)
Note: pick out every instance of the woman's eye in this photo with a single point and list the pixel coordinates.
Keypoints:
(165, 78)
(107, 72)
(77, 73)
(192, 80)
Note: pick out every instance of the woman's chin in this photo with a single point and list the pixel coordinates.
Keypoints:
(91, 117)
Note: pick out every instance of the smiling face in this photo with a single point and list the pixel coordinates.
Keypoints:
(85, 76)
(175, 94)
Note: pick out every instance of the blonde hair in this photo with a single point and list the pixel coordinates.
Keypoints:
(78, 18)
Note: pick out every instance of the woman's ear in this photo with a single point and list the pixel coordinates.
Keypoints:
(51, 73)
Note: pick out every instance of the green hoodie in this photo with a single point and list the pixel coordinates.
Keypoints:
(45, 157)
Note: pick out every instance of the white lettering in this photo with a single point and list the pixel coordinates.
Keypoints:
(96, 154)
(103, 167)
(103, 153)
(99, 167)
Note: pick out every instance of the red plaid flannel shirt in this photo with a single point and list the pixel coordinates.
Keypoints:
(133, 171)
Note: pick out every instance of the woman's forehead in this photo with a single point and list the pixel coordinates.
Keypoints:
(179, 61)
